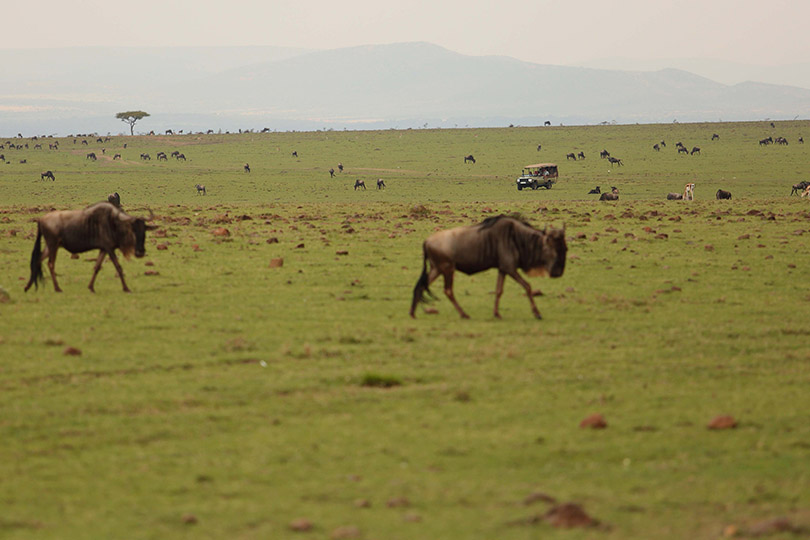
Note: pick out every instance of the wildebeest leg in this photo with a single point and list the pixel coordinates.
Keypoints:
(101, 255)
(114, 259)
(448, 290)
(525, 284)
(498, 292)
(51, 254)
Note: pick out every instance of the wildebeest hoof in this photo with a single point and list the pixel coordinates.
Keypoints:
(537, 315)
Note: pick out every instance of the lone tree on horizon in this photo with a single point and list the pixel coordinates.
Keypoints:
(130, 117)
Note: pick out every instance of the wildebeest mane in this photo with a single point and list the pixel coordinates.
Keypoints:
(104, 216)
(491, 221)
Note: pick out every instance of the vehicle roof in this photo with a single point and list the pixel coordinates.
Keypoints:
(539, 165)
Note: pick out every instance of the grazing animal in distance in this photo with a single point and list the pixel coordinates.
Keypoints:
(116, 156)
(615, 161)
(766, 141)
(801, 140)
(682, 150)
(359, 184)
(114, 199)
(604, 154)
(695, 150)
(781, 140)
(547, 123)
(581, 155)
(656, 147)
(162, 156)
(200, 189)
(798, 188)
(46, 175)
(595, 191)
(380, 183)
(613, 195)
(340, 167)
(722, 194)
(570, 155)
(689, 192)
(247, 167)
(178, 157)
(295, 153)
(674, 196)
(91, 155)
(539, 146)
(146, 157)
(331, 173)
(101, 226)
(501, 242)
(469, 158)
(715, 137)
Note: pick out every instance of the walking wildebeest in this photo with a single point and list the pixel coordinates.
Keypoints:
(469, 158)
(723, 194)
(91, 155)
(114, 199)
(46, 175)
(247, 167)
(200, 189)
(331, 173)
(501, 242)
(101, 226)
(798, 188)
(695, 150)
(604, 154)
(595, 191)
(359, 184)
(674, 196)
(380, 183)
(570, 155)
(615, 161)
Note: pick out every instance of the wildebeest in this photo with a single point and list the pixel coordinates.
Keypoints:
(798, 188)
(570, 155)
(595, 191)
(604, 154)
(469, 158)
(695, 150)
(340, 167)
(766, 141)
(656, 147)
(295, 153)
(674, 196)
(722, 194)
(581, 155)
(380, 183)
(200, 189)
(501, 242)
(91, 155)
(101, 226)
(782, 141)
(663, 144)
(331, 173)
(247, 167)
(547, 123)
(146, 156)
(175, 153)
(116, 156)
(613, 195)
(46, 175)
(162, 156)
(359, 184)
(178, 157)
(615, 161)
(539, 146)
(715, 136)
(114, 199)
(801, 140)
(682, 150)
(806, 193)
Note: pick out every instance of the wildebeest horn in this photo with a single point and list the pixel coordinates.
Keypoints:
(151, 215)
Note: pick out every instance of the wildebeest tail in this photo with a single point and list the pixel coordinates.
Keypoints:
(422, 285)
(36, 261)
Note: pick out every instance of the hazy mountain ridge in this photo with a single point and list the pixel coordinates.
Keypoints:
(398, 85)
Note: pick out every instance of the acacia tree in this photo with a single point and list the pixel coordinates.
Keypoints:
(130, 117)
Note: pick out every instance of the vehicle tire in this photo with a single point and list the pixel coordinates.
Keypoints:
(520, 188)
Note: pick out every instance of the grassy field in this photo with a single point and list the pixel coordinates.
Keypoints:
(225, 398)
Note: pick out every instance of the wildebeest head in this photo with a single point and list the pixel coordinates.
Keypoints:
(135, 234)
(546, 257)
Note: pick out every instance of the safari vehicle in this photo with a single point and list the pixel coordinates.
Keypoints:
(537, 176)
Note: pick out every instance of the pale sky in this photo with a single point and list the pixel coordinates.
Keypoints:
(763, 32)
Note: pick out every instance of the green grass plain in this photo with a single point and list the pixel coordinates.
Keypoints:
(224, 398)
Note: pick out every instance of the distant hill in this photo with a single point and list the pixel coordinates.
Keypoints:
(380, 86)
